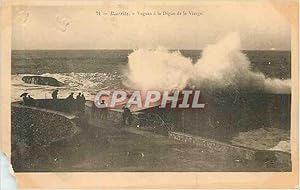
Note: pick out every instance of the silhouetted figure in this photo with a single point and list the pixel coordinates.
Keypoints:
(78, 96)
(70, 102)
(78, 102)
(56, 105)
(54, 94)
(82, 103)
(103, 110)
(126, 116)
(70, 97)
(31, 101)
(24, 98)
(82, 98)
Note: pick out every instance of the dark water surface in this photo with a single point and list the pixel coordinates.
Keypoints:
(274, 64)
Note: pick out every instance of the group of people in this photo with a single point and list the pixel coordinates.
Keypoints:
(77, 104)
(101, 112)
(27, 99)
(69, 104)
(79, 97)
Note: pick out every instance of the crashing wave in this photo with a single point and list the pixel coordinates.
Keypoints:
(222, 65)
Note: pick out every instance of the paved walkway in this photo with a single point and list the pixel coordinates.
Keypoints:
(130, 149)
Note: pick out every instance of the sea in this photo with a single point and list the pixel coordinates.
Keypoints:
(274, 64)
(89, 71)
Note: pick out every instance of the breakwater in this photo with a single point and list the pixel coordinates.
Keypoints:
(38, 126)
(51, 131)
(267, 157)
(228, 113)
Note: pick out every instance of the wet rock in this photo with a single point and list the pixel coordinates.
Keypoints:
(40, 80)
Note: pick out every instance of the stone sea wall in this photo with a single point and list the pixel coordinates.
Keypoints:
(226, 115)
(97, 116)
(266, 157)
(37, 126)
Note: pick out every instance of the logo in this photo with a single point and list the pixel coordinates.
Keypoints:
(147, 99)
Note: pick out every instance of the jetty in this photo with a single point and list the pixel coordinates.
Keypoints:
(49, 137)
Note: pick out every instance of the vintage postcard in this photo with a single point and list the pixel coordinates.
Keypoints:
(150, 94)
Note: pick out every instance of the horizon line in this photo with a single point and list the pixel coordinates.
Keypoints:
(140, 48)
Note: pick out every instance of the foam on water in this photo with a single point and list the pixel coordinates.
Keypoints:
(221, 65)
(158, 69)
(89, 83)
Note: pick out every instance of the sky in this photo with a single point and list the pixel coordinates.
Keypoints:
(259, 25)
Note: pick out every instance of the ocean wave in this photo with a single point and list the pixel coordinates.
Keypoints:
(222, 65)
(88, 83)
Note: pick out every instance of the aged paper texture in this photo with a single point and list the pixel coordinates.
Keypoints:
(150, 94)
